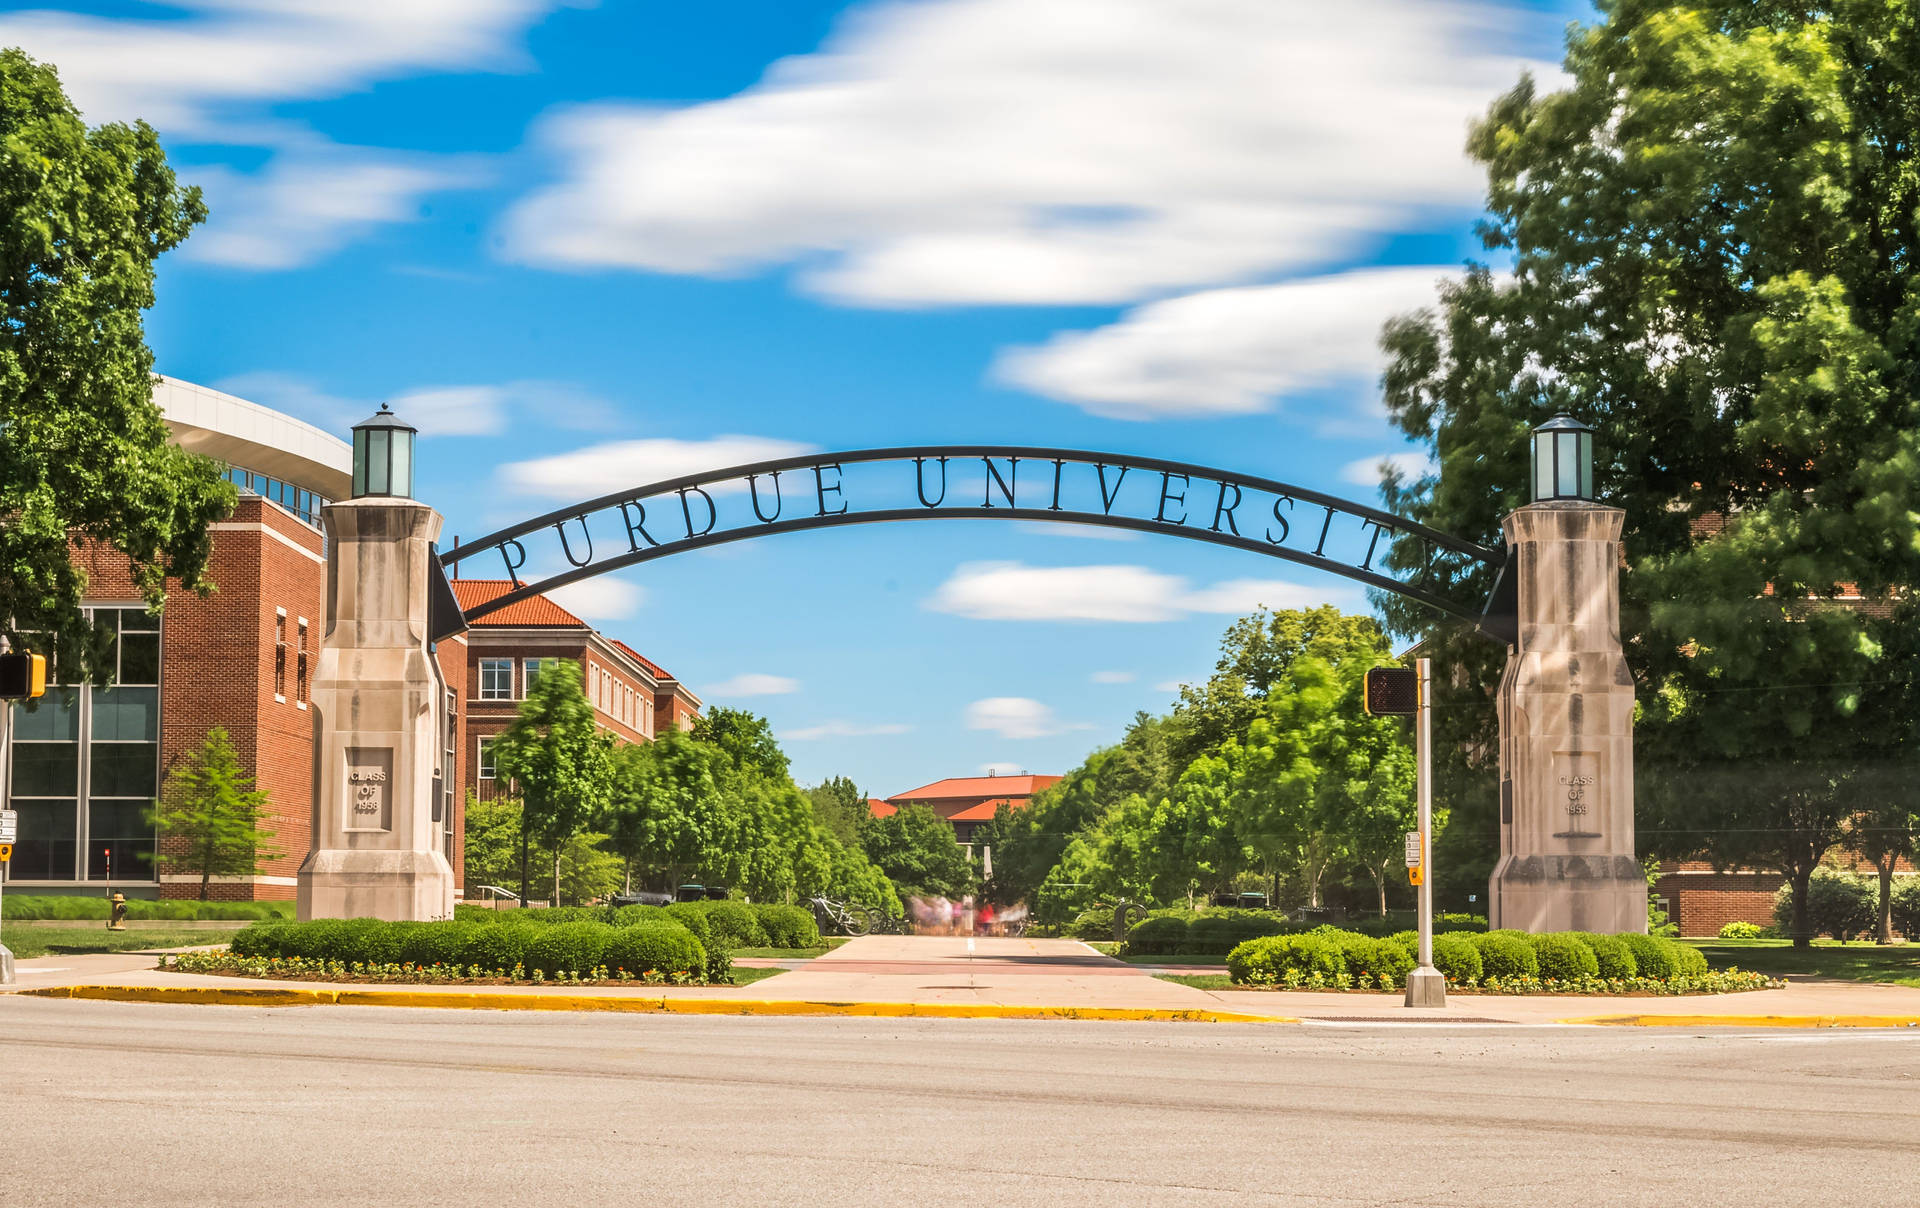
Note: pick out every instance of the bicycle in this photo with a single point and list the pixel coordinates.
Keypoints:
(850, 918)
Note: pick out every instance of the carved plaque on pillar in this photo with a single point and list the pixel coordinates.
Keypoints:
(1576, 793)
(369, 788)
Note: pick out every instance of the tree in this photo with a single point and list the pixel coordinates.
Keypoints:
(584, 871)
(210, 818)
(1711, 230)
(916, 850)
(83, 216)
(492, 841)
(667, 810)
(746, 740)
(559, 761)
(840, 805)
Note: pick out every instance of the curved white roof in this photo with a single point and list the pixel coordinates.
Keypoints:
(255, 438)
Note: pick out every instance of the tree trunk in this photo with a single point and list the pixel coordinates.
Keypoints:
(1802, 934)
(1885, 865)
(206, 869)
(556, 874)
(1380, 883)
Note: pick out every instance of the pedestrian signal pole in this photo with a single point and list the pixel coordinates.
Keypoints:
(1402, 691)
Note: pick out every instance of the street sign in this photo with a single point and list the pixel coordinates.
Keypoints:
(9, 825)
(1415, 850)
(1392, 692)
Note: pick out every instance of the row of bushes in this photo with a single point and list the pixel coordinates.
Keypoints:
(1217, 931)
(21, 907)
(661, 947)
(1463, 958)
(721, 924)
(1846, 905)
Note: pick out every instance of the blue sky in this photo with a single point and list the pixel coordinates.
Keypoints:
(586, 246)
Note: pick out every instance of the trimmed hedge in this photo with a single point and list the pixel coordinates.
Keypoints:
(1453, 955)
(1612, 955)
(1505, 954)
(788, 926)
(1499, 962)
(497, 946)
(1564, 956)
(1738, 930)
(1164, 936)
(655, 948)
(568, 948)
(1655, 955)
(25, 906)
(1225, 930)
(694, 919)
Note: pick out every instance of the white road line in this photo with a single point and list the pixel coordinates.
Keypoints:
(969, 945)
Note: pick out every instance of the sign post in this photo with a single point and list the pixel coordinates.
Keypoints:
(1425, 985)
(9, 823)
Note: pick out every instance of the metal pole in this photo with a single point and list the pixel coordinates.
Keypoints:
(6, 802)
(1425, 985)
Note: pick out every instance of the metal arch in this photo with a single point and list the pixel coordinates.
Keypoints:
(1478, 614)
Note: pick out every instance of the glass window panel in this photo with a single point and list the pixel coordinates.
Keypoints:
(359, 463)
(1566, 482)
(126, 714)
(123, 769)
(139, 658)
(47, 840)
(1585, 443)
(119, 841)
(1543, 467)
(46, 769)
(402, 463)
(377, 462)
(138, 620)
(55, 716)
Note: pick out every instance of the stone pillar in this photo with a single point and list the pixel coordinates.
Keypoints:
(379, 713)
(1567, 860)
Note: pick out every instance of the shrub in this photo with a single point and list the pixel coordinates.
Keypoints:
(379, 943)
(1269, 958)
(663, 948)
(1457, 959)
(1564, 955)
(788, 926)
(1740, 931)
(1612, 955)
(1691, 961)
(1653, 954)
(1225, 930)
(1092, 925)
(260, 939)
(1906, 907)
(434, 943)
(627, 916)
(1460, 922)
(691, 916)
(1839, 904)
(568, 947)
(734, 925)
(310, 941)
(1386, 962)
(23, 906)
(1164, 936)
(1505, 954)
(497, 946)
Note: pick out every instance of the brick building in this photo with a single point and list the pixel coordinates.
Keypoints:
(506, 651)
(966, 801)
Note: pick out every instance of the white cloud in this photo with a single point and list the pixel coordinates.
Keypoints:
(601, 599)
(1013, 717)
(605, 468)
(1112, 677)
(1001, 769)
(1091, 532)
(1368, 471)
(1002, 151)
(1169, 686)
(1013, 591)
(474, 410)
(185, 73)
(755, 683)
(1224, 351)
(842, 729)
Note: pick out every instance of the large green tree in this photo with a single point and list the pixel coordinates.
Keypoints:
(916, 850)
(560, 763)
(83, 450)
(1711, 230)
(668, 811)
(211, 821)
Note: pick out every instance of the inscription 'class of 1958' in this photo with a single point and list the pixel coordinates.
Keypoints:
(1068, 486)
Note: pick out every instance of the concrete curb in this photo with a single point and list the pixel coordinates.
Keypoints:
(1747, 1021)
(275, 996)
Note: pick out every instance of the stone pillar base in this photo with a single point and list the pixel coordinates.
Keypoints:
(1426, 987)
(399, 886)
(1604, 894)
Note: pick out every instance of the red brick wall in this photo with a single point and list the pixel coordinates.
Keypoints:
(1700, 903)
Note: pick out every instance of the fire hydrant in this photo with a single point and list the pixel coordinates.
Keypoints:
(117, 917)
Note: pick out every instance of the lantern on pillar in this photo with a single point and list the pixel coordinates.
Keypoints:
(383, 456)
(1563, 461)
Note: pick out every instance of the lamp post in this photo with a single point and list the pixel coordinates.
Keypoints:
(383, 456)
(1563, 461)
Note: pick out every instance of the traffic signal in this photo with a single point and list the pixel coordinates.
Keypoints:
(1392, 692)
(22, 676)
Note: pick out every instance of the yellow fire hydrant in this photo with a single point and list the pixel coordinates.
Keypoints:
(117, 918)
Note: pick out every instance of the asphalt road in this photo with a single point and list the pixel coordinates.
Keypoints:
(135, 1104)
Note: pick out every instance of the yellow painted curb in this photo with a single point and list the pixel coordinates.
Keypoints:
(269, 996)
(1749, 1021)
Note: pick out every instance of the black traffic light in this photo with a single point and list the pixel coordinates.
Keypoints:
(1393, 692)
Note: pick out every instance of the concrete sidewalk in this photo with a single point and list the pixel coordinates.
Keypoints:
(991, 978)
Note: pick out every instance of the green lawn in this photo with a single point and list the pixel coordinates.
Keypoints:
(785, 954)
(1863, 962)
(1201, 981)
(746, 977)
(1175, 961)
(81, 938)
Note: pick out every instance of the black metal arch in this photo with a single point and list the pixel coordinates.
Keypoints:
(830, 507)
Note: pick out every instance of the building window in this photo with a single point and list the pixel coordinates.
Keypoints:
(534, 668)
(86, 765)
(496, 679)
(485, 762)
(606, 692)
(280, 655)
(300, 666)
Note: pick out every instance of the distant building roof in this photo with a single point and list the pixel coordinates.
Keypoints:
(533, 612)
(984, 811)
(879, 808)
(654, 668)
(977, 786)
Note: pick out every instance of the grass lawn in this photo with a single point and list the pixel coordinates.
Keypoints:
(1174, 961)
(81, 938)
(794, 954)
(1864, 962)
(1201, 981)
(746, 977)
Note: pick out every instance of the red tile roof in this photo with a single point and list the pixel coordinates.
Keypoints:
(977, 786)
(984, 811)
(654, 669)
(879, 808)
(536, 611)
